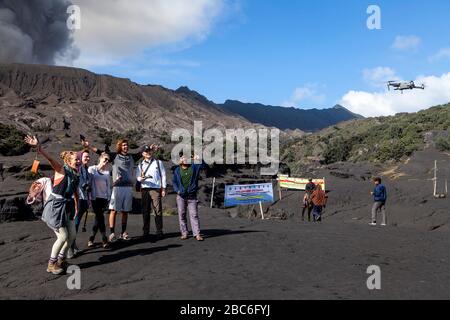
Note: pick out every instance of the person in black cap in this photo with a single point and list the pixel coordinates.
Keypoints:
(152, 178)
(307, 203)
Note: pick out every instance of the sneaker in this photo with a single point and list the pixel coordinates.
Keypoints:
(77, 252)
(373, 224)
(112, 238)
(125, 236)
(199, 238)
(90, 244)
(105, 245)
(184, 237)
(70, 254)
(383, 224)
(54, 268)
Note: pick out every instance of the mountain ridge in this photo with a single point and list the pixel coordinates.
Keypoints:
(310, 120)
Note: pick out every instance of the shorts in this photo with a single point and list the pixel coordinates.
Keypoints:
(121, 199)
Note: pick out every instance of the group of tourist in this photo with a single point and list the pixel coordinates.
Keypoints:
(315, 201)
(109, 186)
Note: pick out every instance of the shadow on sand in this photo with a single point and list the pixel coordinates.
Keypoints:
(208, 234)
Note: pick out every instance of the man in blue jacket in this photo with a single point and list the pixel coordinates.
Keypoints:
(185, 184)
(380, 198)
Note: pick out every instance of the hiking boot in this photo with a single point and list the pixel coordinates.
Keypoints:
(54, 268)
(62, 263)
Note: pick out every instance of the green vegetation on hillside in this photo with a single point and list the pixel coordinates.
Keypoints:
(379, 140)
(11, 141)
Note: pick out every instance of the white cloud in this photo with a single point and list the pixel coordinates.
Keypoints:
(371, 104)
(377, 77)
(443, 54)
(115, 30)
(307, 93)
(406, 43)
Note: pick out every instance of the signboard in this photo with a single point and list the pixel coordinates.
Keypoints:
(287, 182)
(237, 195)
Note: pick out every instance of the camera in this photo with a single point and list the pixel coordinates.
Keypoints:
(86, 187)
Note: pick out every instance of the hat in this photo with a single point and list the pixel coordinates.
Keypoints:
(146, 149)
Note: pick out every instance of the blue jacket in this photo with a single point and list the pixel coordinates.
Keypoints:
(193, 185)
(380, 193)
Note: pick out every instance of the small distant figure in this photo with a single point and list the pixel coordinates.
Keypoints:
(307, 203)
(2, 170)
(319, 199)
(66, 124)
(380, 198)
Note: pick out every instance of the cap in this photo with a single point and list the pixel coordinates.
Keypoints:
(146, 149)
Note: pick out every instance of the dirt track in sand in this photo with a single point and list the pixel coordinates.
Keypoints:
(240, 259)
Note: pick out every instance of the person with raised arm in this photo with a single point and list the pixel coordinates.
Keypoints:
(185, 184)
(123, 173)
(61, 208)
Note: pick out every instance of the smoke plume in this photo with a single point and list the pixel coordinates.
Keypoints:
(35, 31)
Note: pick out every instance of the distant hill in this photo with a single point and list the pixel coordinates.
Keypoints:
(36, 98)
(379, 140)
(290, 118)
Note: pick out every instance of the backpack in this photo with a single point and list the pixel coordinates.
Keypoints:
(39, 192)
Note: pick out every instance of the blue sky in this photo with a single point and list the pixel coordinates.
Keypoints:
(266, 51)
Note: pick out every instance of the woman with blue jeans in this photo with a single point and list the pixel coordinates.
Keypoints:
(185, 184)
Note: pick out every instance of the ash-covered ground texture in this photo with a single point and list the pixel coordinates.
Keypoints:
(243, 256)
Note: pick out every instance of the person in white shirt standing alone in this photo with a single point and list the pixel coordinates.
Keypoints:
(152, 178)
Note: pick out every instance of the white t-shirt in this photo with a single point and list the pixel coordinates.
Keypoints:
(101, 183)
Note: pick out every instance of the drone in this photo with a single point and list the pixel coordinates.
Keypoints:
(401, 86)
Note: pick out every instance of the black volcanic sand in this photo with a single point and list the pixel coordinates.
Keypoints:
(253, 259)
(240, 259)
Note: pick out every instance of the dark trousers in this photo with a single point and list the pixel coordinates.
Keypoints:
(307, 206)
(99, 206)
(151, 199)
(83, 207)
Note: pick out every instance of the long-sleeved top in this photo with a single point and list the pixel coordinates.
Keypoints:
(193, 185)
(152, 179)
(101, 183)
(319, 198)
(380, 193)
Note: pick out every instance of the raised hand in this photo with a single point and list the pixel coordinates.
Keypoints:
(85, 143)
(31, 140)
